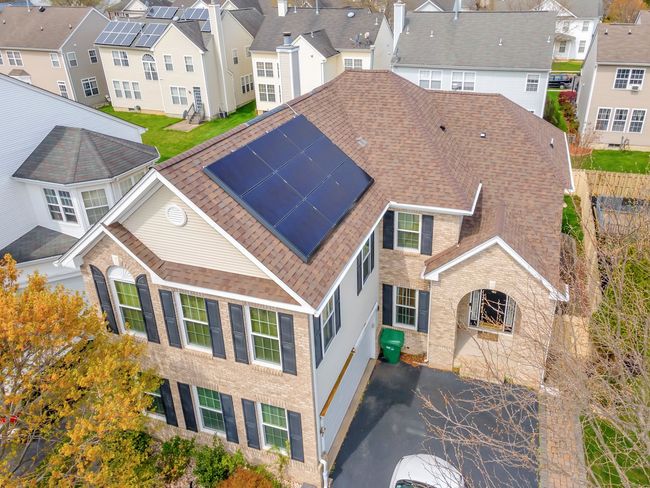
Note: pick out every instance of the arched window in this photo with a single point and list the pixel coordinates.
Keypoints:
(491, 310)
(127, 299)
(149, 64)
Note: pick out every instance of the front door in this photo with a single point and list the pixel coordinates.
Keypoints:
(198, 101)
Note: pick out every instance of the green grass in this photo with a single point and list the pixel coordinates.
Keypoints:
(566, 66)
(619, 161)
(171, 142)
(571, 218)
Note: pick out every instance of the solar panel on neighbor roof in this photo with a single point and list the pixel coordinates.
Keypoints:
(195, 14)
(119, 33)
(295, 181)
(205, 26)
(162, 12)
(150, 34)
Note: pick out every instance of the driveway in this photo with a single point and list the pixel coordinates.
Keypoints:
(388, 425)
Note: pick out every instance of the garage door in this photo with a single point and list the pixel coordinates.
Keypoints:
(364, 351)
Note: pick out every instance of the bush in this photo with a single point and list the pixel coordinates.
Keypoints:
(553, 114)
(175, 455)
(568, 96)
(245, 477)
(215, 464)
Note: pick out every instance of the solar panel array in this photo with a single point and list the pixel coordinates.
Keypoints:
(162, 12)
(119, 33)
(295, 181)
(205, 26)
(150, 34)
(195, 14)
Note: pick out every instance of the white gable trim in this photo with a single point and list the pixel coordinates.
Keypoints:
(439, 210)
(568, 156)
(555, 294)
(428, 3)
(555, 6)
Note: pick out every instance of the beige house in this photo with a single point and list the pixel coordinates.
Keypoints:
(613, 96)
(262, 266)
(53, 48)
(196, 66)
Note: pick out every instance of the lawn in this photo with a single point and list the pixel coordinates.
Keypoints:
(619, 161)
(571, 219)
(566, 66)
(171, 142)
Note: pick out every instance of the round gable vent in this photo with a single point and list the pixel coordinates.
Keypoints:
(176, 215)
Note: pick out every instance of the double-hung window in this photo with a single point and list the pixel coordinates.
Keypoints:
(235, 57)
(136, 90)
(95, 203)
(463, 80)
(353, 63)
(127, 183)
(264, 69)
(366, 260)
(90, 87)
(210, 410)
(60, 205)
(620, 120)
(120, 58)
(266, 92)
(15, 58)
(406, 306)
(265, 336)
(602, 119)
(128, 303)
(72, 59)
(169, 64)
(430, 79)
(275, 430)
(63, 88)
(2, 61)
(195, 321)
(329, 323)
(532, 83)
(562, 47)
(92, 55)
(407, 231)
(637, 120)
(179, 95)
(117, 86)
(189, 64)
(157, 406)
(246, 83)
(566, 25)
(627, 77)
(585, 25)
(54, 59)
(582, 46)
(149, 65)
(126, 86)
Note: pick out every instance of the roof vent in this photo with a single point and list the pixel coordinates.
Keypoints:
(443, 128)
(41, 28)
(431, 35)
(500, 41)
(548, 40)
(629, 31)
(361, 141)
(350, 15)
(176, 215)
(41, 9)
(552, 142)
(483, 135)
(69, 26)
(606, 31)
(408, 29)
(376, 20)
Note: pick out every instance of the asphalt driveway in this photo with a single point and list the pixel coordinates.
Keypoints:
(388, 426)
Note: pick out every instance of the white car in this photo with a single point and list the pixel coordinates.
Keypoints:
(425, 471)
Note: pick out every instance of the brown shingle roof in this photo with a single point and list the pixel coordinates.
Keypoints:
(393, 131)
(623, 43)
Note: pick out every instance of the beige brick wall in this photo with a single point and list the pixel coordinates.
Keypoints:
(257, 383)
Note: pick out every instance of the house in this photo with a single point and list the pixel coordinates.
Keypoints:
(52, 48)
(613, 96)
(267, 260)
(62, 165)
(299, 49)
(488, 52)
(190, 63)
(133, 9)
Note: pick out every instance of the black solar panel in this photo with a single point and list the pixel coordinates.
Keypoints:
(195, 14)
(295, 181)
(119, 33)
(150, 34)
(162, 12)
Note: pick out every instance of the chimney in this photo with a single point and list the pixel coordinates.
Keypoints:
(289, 68)
(283, 6)
(399, 18)
(227, 101)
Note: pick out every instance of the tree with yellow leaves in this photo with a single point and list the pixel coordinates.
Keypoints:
(71, 394)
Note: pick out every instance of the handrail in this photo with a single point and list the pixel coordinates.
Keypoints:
(190, 112)
(338, 383)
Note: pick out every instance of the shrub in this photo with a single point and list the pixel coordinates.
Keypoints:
(175, 455)
(568, 96)
(215, 464)
(245, 477)
(553, 114)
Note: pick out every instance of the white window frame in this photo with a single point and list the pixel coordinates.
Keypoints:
(58, 195)
(562, 47)
(126, 88)
(63, 88)
(184, 336)
(199, 416)
(72, 59)
(585, 25)
(156, 415)
(117, 88)
(582, 46)
(90, 86)
(329, 319)
(117, 273)
(168, 61)
(509, 303)
(352, 63)
(566, 25)
(189, 67)
(464, 82)
(264, 70)
(247, 49)
(54, 60)
(15, 58)
(417, 298)
(131, 179)
(261, 423)
(92, 54)
(625, 121)
(2, 61)
(178, 95)
(265, 94)
(86, 209)
(235, 57)
(628, 79)
(429, 77)
(366, 258)
(532, 79)
(149, 67)
(395, 239)
(645, 113)
(251, 345)
(120, 58)
(609, 118)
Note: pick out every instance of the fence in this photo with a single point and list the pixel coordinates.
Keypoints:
(626, 185)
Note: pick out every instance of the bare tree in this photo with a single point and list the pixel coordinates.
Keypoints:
(624, 11)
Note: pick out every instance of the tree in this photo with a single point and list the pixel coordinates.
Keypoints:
(70, 392)
(624, 11)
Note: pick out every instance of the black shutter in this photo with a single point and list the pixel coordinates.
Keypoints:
(337, 307)
(169, 312)
(187, 406)
(359, 273)
(104, 299)
(389, 229)
(318, 346)
(229, 418)
(423, 311)
(426, 237)
(168, 402)
(216, 331)
(372, 251)
(287, 343)
(238, 332)
(147, 308)
(250, 421)
(295, 436)
(387, 304)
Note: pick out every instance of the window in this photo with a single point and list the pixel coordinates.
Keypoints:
(136, 90)
(328, 323)
(149, 65)
(2, 61)
(72, 59)
(585, 25)
(120, 58)
(267, 93)
(15, 58)
(248, 51)
(264, 69)
(620, 120)
(353, 63)
(274, 427)
(157, 406)
(247, 83)
(491, 310)
(169, 65)
(265, 335)
(95, 203)
(636, 122)
(210, 411)
(195, 321)
(235, 57)
(90, 86)
(189, 64)
(463, 80)
(126, 86)
(54, 59)
(405, 306)
(60, 205)
(565, 26)
(63, 89)
(582, 46)
(626, 77)
(408, 231)
(532, 83)
(431, 80)
(179, 95)
(128, 301)
(366, 259)
(562, 47)
(127, 183)
(118, 89)
(602, 120)
(92, 55)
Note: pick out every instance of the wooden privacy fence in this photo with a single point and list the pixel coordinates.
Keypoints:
(626, 185)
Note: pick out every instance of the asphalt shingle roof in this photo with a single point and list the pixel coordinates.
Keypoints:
(39, 243)
(320, 42)
(250, 18)
(71, 155)
(623, 43)
(579, 8)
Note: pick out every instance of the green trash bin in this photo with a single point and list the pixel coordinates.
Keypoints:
(391, 342)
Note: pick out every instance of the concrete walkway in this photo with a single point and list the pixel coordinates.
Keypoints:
(182, 126)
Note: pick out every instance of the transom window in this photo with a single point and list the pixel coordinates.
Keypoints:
(54, 59)
(637, 120)
(532, 83)
(353, 63)
(72, 59)
(602, 119)
(405, 306)
(463, 80)
(265, 336)
(366, 260)
(264, 69)
(63, 89)
(275, 428)
(179, 95)
(15, 58)
(195, 320)
(430, 79)
(90, 86)
(92, 55)
(247, 83)
(408, 231)
(120, 58)
(169, 64)
(266, 92)
(620, 120)
(189, 64)
(329, 323)
(95, 203)
(149, 65)
(60, 205)
(627, 77)
(210, 410)
(492, 311)
(157, 406)
(129, 305)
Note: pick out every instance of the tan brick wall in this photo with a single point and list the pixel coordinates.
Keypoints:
(248, 381)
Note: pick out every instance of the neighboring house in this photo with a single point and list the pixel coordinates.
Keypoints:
(264, 263)
(52, 48)
(614, 96)
(197, 66)
(318, 46)
(133, 9)
(62, 165)
(488, 52)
